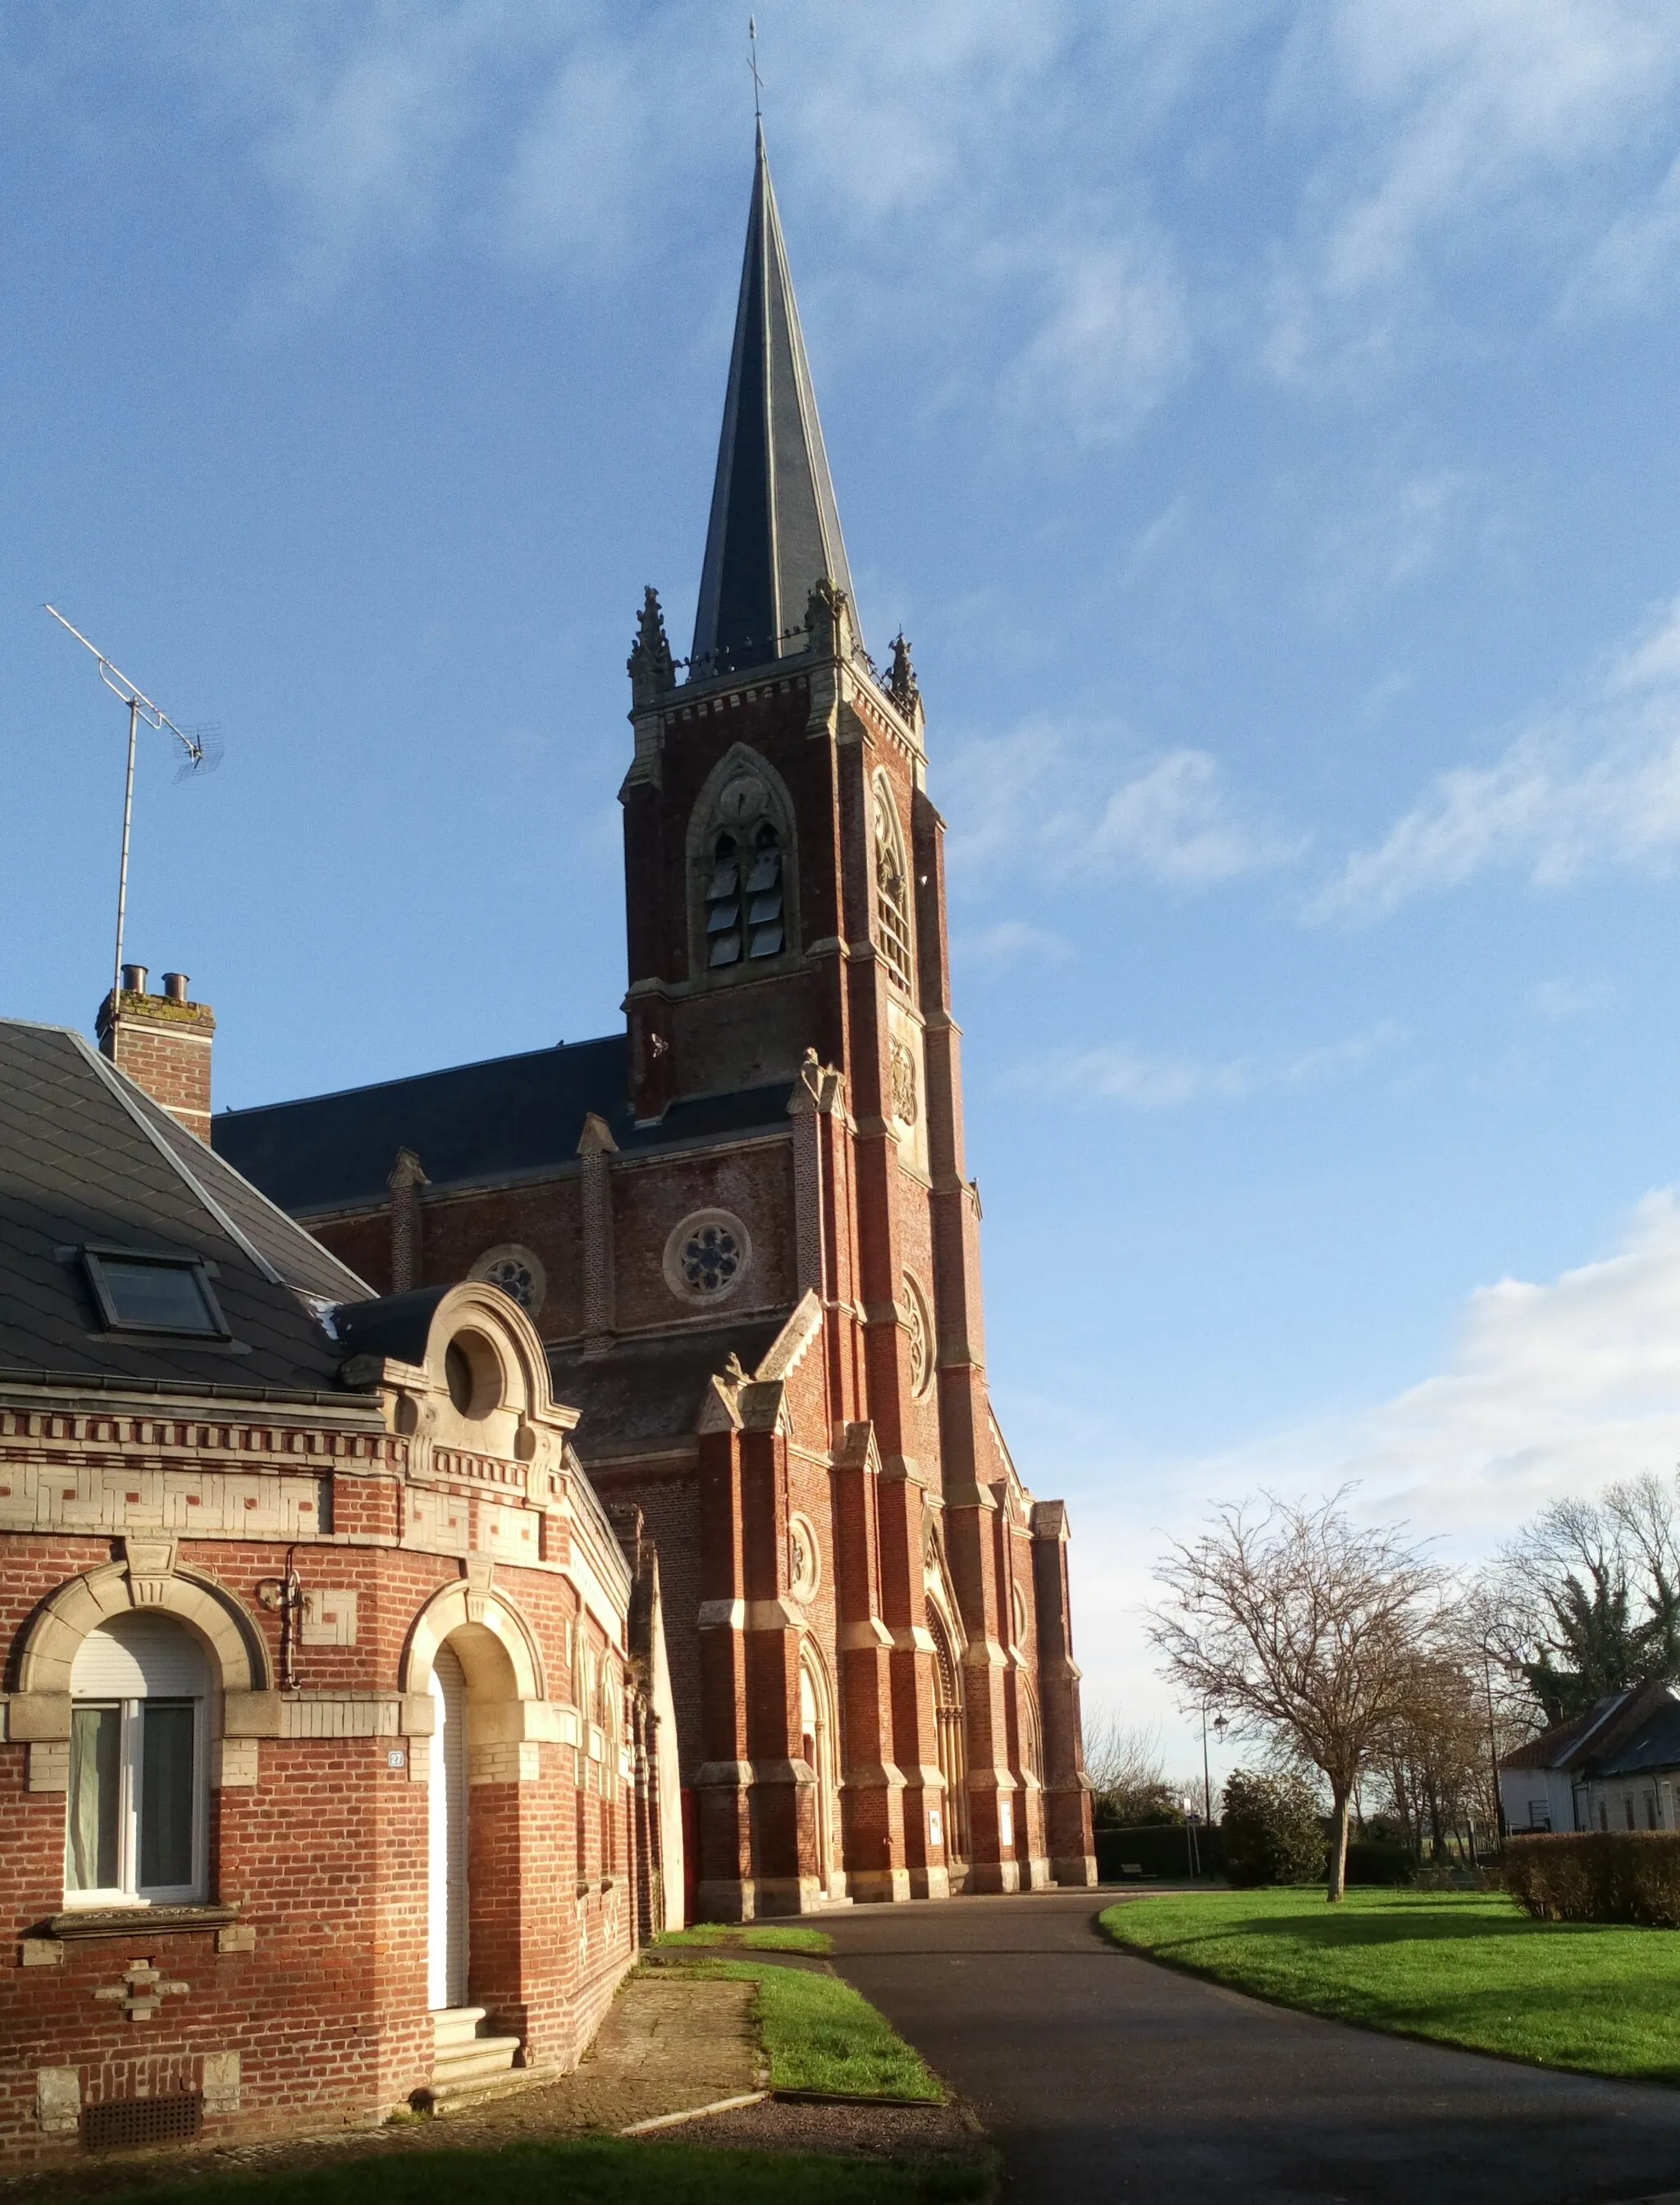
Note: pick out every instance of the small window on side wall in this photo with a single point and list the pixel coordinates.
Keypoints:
(142, 1292)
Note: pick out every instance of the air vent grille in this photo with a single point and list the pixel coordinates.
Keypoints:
(122, 2124)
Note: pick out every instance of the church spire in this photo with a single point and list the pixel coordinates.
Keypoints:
(775, 530)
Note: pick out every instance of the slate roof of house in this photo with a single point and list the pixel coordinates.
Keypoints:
(641, 1392)
(87, 1159)
(1585, 1741)
(507, 1117)
(1554, 1748)
(1654, 1743)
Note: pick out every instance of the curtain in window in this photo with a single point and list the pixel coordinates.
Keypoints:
(96, 1740)
(166, 1793)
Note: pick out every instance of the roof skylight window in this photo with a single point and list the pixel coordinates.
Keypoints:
(154, 1293)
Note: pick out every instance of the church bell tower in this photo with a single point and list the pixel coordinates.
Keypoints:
(784, 896)
(764, 782)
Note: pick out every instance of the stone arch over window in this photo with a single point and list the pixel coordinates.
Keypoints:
(146, 1579)
(484, 1625)
(742, 866)
(891, 887)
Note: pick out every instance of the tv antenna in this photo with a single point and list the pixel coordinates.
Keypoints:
(196, 743)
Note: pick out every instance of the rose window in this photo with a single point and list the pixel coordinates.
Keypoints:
(514, 1277)
(710, 1258)
(517, 1271)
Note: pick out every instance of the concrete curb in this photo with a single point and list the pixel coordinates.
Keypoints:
(694, 2113)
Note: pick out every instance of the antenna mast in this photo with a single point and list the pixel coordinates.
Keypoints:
(141, 707)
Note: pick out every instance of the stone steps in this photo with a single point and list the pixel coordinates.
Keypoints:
(464, 2059)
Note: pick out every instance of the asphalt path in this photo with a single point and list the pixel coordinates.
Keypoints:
(1103, 2076)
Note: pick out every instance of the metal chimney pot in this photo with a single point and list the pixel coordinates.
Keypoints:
(133, 979)
(175, 987)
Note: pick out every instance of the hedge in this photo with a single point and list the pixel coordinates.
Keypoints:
(1160, 1850)
(1597, 1875)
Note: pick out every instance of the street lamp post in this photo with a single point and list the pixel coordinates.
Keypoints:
(1220, 1727)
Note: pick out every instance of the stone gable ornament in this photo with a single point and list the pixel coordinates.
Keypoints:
(901, 681)
(651, 667)
(824, 610)
(902, 1074)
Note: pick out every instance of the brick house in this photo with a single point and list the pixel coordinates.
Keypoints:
(332, 1697)
(744, 1230)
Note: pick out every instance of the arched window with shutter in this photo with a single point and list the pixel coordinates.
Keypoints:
(137, 1822)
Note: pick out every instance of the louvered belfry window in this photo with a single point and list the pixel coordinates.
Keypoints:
(892, 891)
(745, 919)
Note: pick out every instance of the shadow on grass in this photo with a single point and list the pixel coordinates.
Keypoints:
(589, 2172)
(1416, 1921)
(1471, 1976)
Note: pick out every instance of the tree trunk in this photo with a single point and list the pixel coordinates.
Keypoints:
(1338, 1845)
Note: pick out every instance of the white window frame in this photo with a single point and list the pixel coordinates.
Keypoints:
(128, 1891)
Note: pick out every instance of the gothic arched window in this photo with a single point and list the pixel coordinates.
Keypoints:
(892, 890)
(743, 883)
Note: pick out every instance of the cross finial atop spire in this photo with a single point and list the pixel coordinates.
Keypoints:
(752, 63)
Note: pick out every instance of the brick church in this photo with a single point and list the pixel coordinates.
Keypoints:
(744, 1232)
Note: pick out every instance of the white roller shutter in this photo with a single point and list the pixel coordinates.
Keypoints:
(139, 1657)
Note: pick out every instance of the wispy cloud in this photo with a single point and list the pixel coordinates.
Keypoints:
(1404, 529)
(1012, 941)
(1085, 803)
(1559, 1001)
(1113, 339)
(1591, 786)
(1455, 123)
(1400, 137)
(1117, 1074)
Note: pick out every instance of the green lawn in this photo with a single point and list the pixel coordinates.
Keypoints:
(590, 2173)
(1460, 1968)
(753, 1937)
(820, 2035)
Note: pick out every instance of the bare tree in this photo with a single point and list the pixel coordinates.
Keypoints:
(1309, 1632)
(1128, 1772)
(1589, 1597)
(1433, 1768)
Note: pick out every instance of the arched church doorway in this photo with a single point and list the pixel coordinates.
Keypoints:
(817, 1744)
(950, 1723)
(448, 1897)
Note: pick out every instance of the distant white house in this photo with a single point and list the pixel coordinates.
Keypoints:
(1616, 1768)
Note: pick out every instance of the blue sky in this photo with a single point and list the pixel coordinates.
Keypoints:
(1262, 421)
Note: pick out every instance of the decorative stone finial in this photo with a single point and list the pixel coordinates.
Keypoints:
(827, 617)
(651, 667)
(901, 681)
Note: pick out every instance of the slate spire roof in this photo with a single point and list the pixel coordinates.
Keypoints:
(774, 527)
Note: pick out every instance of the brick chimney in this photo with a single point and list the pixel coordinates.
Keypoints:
(162, 1044)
